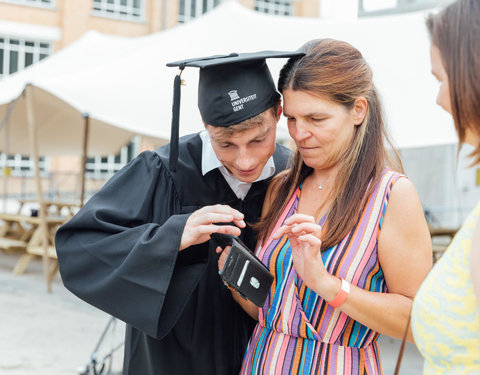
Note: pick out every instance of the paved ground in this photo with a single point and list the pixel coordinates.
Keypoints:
(55, 334)
(47, 334)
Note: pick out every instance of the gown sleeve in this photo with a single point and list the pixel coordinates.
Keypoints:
(120, 251)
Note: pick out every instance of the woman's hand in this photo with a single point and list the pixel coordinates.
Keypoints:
(304, 235)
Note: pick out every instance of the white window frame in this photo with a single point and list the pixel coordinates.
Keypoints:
(115, 9)
(38, 48)
(23, 166)
(368, 5)
(198, 9)
(104, 167)
(33, 3)
(277, 7)
(400, 6)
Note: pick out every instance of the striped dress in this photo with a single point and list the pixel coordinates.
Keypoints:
(298, 332)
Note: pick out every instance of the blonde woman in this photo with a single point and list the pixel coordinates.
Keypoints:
(445, 318)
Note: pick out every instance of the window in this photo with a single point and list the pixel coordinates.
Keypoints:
(371, 5)
(190, 9)
(385, 7)
(123, 9)
(16, 54)
(21, 166)
(279, 7)
(99, 167)
(39, 3)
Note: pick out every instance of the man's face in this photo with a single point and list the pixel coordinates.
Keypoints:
(245, 153)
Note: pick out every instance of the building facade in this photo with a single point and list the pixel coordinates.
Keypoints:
(44, 26)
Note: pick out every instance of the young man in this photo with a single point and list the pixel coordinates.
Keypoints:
(140, 250)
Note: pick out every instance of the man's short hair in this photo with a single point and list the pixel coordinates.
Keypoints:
(247, 124)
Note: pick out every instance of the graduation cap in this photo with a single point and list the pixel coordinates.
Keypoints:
(231, 89)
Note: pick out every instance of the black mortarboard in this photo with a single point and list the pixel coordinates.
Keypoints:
(231, 88)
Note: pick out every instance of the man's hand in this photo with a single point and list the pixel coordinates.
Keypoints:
(201, 224)
(223, 256)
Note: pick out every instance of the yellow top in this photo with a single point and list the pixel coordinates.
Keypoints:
(445, 318)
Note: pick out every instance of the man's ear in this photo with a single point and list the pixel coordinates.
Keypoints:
(279, 110)
(360, 108)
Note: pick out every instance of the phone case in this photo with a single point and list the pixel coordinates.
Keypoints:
(243, 271)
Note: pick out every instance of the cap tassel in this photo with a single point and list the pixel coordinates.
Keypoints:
(175, 121)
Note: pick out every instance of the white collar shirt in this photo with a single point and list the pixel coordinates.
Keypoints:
(210, 162)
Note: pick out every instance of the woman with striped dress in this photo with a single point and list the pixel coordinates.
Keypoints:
(342, 231)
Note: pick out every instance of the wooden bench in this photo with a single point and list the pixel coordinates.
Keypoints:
(53, 207)
(27, 236)
(10, 244)
(37, 250)
(438, 233)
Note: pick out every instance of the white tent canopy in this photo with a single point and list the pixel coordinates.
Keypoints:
(127, 84)
(92, 49)
(60, 124)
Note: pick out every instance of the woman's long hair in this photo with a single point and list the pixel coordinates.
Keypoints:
(336, 71)
(455, 31)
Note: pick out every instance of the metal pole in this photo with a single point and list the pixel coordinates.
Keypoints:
(164, 14)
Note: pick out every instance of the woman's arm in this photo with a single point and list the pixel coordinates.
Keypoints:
(475, 263)
(405, 254)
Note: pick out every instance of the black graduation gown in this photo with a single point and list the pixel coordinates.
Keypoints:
(120, 254)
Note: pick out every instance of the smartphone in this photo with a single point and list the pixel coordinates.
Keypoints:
(243, 271)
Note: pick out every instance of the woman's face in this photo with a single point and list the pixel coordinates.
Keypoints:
(320, 128)
(438, 70)
(443, 97)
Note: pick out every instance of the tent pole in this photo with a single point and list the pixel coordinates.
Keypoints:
(84, 157)
(42, 211)
(164, 14)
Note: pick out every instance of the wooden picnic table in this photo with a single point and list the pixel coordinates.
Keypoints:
(436, 232)
(52, 206)
(24, 233)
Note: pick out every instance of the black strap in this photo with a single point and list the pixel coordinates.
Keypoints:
(402, 348)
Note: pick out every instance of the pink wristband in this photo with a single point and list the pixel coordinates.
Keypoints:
(341, 296)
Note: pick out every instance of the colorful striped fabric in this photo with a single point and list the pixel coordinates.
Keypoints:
(298, 332)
